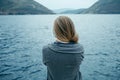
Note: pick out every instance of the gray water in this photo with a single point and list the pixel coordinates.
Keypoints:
(22, 38)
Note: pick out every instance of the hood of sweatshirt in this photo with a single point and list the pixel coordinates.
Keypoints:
(70, 47)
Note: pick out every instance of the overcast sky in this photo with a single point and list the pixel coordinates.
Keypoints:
(74, 4)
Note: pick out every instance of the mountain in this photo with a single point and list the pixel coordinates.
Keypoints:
(68, 11)
(75, 11)
(104, 7)
(61, 10)
(8, 7)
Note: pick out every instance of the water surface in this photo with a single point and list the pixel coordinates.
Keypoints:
(22, 38)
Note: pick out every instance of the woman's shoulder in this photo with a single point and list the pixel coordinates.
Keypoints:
(45, 47)
(81, 45)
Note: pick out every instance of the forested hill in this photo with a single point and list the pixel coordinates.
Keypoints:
(22, 7)
(105, 7)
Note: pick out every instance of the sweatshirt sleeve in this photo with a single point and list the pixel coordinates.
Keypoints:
(82, 52)
(44, 55)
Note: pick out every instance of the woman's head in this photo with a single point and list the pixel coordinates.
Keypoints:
(64, 29)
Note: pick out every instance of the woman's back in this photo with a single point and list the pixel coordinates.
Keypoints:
(63, 60)
(64, 56)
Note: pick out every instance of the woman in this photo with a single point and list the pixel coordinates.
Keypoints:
(64, 56)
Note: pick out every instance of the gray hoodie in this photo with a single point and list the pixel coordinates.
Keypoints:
(63, 60)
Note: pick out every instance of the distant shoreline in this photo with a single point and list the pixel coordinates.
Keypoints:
(56, 14)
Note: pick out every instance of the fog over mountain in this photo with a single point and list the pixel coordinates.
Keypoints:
(32, 7)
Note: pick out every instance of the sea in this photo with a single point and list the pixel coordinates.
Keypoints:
(22, 38)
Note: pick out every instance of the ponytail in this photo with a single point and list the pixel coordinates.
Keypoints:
(74, 39)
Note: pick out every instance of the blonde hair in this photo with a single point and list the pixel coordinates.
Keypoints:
(64, 29)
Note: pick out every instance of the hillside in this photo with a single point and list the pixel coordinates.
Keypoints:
(58, 11)
(104, 7)
(68, 11)
(75, 11)
(9, 7)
